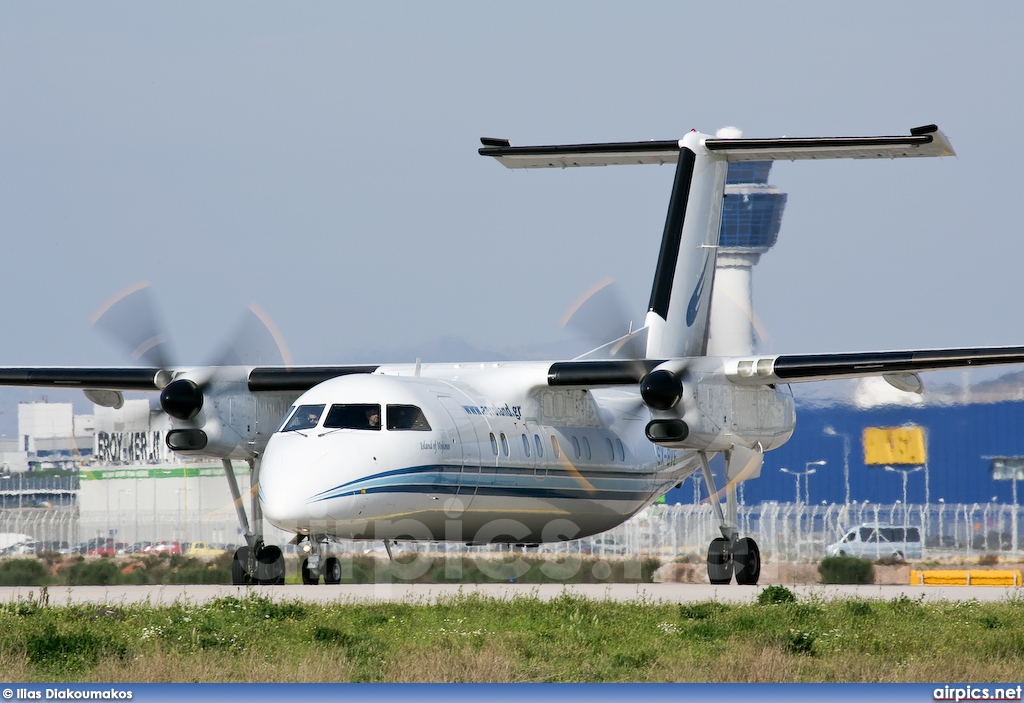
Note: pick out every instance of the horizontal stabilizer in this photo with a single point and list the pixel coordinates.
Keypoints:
(922, 141)
(821, 367)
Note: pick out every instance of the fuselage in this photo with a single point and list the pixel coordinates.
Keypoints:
(474, 453)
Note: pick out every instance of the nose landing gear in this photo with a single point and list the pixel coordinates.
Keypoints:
(314, 566)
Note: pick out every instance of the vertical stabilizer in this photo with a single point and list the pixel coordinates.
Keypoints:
(680, 308)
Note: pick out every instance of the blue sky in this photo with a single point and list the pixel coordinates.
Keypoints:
(320, 160)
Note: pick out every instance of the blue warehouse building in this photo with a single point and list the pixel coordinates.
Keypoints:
(960, 439)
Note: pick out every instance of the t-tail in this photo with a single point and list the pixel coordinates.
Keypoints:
(678, 316)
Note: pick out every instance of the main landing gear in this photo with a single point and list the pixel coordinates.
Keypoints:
(729, 554)
(256, 563)
(262, 566)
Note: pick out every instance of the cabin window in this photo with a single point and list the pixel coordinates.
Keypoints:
(504, 444)
(526, 446)
(611, 449)
(622, 450)
(353, 416)
(539, 445)
(494, 445)
(305, 417)
(407, 417)
(554, 447)
(576, 446)
(586, 449)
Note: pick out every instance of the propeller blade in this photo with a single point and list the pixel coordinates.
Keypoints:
(256, 341)
(573, 472)
(130, 319)
(599, 316)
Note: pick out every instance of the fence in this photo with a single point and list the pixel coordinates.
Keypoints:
(784, 531)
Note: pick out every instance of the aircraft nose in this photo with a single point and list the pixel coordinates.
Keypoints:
(283, 492)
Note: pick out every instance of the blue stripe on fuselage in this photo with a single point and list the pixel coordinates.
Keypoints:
(501, 480)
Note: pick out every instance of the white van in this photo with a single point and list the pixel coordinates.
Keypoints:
(877, 541)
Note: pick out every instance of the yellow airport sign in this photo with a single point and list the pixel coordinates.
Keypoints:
(894, 446)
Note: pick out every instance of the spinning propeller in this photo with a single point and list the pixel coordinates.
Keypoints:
(130, 319)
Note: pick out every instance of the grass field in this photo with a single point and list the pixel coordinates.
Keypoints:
(477, 639)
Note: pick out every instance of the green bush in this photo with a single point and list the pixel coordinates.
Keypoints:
(846, 570)
(24, 572)
(95, 573)
(773, 595)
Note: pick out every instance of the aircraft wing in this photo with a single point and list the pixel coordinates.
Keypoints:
(922, 141)
(793, 368)
(799, 368)
(260, 378)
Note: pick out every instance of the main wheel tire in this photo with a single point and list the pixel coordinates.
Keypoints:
(240, 575)
(270, 566)
(747, 559)
(332, 570)
(719, 562)
(308, 578)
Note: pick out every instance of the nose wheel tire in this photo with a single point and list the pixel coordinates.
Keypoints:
(747, 560)
(332, 570)
(309, 578)
(720, 563)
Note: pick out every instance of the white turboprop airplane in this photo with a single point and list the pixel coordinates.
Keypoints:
(520, 452)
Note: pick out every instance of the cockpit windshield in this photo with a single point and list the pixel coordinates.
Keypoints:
(407, 417)
(305, 417)
(353, 416)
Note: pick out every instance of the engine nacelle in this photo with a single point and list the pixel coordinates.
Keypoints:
(714, 414)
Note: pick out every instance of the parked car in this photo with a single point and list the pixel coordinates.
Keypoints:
(108, 548)
(55, 546)
(164, 548)
(204, 549)
(876, 541)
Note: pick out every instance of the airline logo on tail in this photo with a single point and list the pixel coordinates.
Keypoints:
(694, 306)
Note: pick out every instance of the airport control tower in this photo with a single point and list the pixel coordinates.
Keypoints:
(751, 218)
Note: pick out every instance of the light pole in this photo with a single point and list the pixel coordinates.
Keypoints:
(831, 431)
(807, 477)
(795, 475)
(942, 506)
(906, 473)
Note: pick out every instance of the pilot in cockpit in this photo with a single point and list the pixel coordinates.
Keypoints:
(373, 419)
